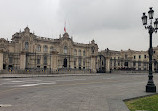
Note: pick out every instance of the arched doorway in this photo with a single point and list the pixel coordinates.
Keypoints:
(65, 62)
(45, 67)
(10, 67)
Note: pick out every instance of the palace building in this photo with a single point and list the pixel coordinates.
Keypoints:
(27, 52)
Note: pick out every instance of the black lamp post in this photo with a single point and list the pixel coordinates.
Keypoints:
(150, 87)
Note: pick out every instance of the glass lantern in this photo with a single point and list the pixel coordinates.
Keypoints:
(151, 13)
(144, 19)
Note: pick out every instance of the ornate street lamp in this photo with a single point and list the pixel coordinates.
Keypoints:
(150, 87)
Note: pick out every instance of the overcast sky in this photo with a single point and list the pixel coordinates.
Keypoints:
(113, 24)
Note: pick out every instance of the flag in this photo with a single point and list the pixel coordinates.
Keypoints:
(64, 29)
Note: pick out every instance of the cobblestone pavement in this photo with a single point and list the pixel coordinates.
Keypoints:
(103, 92)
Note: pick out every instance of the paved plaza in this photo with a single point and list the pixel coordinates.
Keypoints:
(96, 92)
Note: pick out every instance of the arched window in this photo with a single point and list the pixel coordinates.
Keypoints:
(26, 45)
(75, 52)
(51, 48)
(84, 53)
(38, 48)
(79, 52)
(65, 50)
(45, 48)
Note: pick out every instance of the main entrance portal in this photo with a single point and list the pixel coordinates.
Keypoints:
(65, 62)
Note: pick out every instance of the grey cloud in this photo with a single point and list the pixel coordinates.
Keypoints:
(93, 15)
(112, 23)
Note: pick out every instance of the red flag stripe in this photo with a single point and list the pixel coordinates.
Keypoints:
(64, 29)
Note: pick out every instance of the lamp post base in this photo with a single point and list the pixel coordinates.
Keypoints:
(150, 88)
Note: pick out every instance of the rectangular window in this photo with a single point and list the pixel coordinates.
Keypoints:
(83, 64)
(26, 45)
(45, 48)
(79, 63)
(10, 60)
(75, 52)
(134, 64)
(38, 61)
(114, 63)
(139, 63)
(139, 56)
(84, 53)
(79, 52)
(45, 60)
(74, 63)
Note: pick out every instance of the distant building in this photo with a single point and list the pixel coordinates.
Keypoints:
(129, 60)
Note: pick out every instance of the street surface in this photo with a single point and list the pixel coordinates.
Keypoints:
(103, 92)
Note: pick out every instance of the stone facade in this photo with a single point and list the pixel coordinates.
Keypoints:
(129, 60)
(28, 51)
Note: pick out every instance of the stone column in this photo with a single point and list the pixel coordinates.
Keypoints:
(22, 60)
(54, 61)
(72, 63)
(129, 64)
(107, 64)
(153, 66)
(1, 60)
(93, 64)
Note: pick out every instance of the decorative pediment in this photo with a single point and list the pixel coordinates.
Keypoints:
(27, 30)
(2, 40)
(26, 35)
(3, 44)
(54, 52)
(65, 35)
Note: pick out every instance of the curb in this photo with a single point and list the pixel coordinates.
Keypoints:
(33, 76)
(151, 94)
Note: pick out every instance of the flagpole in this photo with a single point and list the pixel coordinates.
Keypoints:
(65, 24)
